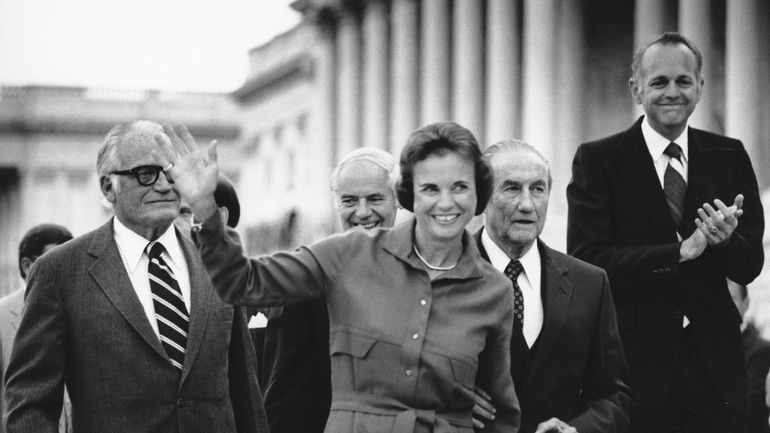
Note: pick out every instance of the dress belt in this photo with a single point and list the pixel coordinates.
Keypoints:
(406, 417)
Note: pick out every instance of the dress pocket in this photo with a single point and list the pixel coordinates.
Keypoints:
(463, 373)
(351, 368)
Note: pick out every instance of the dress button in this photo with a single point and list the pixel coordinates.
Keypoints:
(423, 302)
(415, 336)
(408, 372)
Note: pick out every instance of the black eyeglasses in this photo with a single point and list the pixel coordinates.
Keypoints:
(146, 175)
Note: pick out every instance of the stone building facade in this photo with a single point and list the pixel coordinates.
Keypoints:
(49, 137)
(553, 72)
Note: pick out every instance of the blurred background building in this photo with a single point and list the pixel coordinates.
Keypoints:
(367, 72)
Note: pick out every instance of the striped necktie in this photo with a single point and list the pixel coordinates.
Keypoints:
(170, 311)
(674, 185)
(512, 271)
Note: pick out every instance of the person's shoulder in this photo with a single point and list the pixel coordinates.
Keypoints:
(709, 139)
(72, 249)
(578, 271)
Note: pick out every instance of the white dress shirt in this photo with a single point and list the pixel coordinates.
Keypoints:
(656, 144)
(529, 282)
(132, 251)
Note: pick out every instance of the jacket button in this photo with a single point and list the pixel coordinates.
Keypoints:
(408, 372)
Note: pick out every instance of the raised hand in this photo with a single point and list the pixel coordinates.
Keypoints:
(193, 169)
(719, 224)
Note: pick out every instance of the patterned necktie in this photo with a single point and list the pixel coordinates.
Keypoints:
(674, 186)
(170, 311)
(512, 271)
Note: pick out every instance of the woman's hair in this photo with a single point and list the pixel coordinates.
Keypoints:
(440, 139)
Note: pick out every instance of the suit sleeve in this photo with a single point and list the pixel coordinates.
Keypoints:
(743, 256)
(35, 376)
(606, 395)
(494, 376)
(245, 394)
(590, 228)
(264, 281)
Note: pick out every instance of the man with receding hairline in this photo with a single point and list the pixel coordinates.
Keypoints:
(669, 211)
(566, 358)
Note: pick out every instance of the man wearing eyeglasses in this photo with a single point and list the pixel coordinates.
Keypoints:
(125, 317)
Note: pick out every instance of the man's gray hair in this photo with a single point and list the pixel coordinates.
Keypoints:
(107, 158)
(516, 145)
(378, 157)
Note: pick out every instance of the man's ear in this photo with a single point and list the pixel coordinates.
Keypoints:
(224, 214)
(108, 188)
(26, 265)
(634, 88)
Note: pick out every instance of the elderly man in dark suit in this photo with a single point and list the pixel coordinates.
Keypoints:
(634, 210)
(125, 317)
(566, 358)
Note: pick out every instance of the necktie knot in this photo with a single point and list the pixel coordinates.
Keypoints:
(513, 269)
(154, 250)
(673, 151)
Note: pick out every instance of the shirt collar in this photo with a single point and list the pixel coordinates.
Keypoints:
(530, 261)
(133, 245)
(657, 143)
(399, 240)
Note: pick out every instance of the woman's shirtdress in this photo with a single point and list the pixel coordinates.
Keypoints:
(405, 351)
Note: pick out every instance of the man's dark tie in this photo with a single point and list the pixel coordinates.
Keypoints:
(170, 311)
(674, 185)
(512, 271)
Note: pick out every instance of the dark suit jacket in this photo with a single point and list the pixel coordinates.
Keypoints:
(619, 220)
(297, 367)
(578, 373)
(84, 326)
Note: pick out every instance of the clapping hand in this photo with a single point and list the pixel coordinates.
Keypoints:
(193, 169)
(719, 224)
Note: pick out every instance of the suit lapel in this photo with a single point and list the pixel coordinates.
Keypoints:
(635, 167)
(110, 275)
(201, 296)
(557, 293)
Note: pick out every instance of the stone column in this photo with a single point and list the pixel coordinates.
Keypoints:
(538, 118)
(567, 119)
(695, 22)
(503, 72)
(468, 66)
(404, 73)
(742, 79)
(349, 78)
(317, 209)
(375, 26)
(651, 17)
(435, 55)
